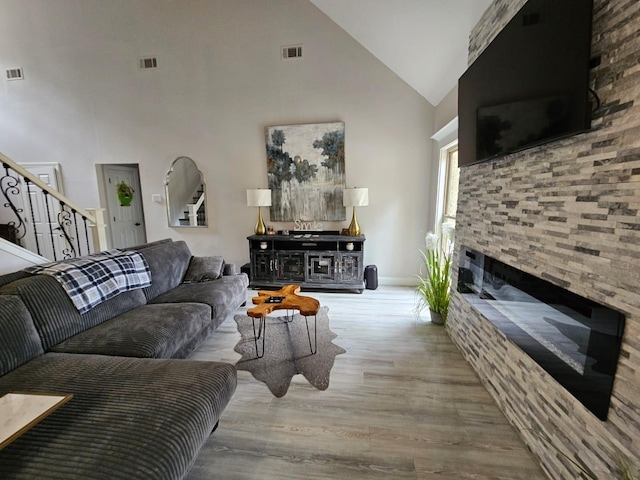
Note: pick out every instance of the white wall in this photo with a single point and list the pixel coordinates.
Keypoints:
(220, 81)
(446, 132)
(446, 110)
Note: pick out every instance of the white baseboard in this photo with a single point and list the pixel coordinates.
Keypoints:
(398, 281)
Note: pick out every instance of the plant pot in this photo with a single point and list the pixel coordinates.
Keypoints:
(436, 317)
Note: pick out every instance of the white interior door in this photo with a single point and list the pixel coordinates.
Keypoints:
(47, 235)
(126, 223)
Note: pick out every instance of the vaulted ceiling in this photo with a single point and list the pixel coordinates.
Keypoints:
(423, 41)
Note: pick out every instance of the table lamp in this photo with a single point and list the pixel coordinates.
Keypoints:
(355, 197)
(260, 197)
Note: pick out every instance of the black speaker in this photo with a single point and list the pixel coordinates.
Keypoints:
(246, 268)
(371, 277)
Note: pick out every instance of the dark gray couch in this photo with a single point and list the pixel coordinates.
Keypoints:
(136, 412)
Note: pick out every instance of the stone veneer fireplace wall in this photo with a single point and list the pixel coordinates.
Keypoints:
(566, 212)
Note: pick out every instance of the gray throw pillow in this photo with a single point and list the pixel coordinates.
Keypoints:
(203, 269)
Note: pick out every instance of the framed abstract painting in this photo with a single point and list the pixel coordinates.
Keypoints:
(305, 170)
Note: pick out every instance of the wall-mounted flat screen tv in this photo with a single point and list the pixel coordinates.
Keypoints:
(530, 85)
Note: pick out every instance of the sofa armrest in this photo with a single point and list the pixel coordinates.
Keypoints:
(230, 269)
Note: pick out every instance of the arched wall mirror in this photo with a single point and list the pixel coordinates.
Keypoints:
(186, 194)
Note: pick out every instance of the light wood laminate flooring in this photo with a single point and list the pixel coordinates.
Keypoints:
(402, 404)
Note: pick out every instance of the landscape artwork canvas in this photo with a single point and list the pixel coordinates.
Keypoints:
(305, 170)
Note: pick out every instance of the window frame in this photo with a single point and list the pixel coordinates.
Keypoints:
(448, 181)
(443, 183)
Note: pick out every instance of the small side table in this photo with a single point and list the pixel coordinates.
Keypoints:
(286, 298)
(21, 411)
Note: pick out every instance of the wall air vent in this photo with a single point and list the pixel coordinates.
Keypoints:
(15, 74)
(148, 62)
(292, 52)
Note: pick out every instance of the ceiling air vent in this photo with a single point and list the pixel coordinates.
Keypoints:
(15, 74)
(292, 52)
(148, 62)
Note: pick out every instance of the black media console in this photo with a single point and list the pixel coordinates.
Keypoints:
(313, 260)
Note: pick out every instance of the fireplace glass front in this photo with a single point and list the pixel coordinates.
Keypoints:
(576, 340)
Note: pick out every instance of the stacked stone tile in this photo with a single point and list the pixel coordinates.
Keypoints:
(566, 212)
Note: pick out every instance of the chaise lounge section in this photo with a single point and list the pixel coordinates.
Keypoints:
(136, 411)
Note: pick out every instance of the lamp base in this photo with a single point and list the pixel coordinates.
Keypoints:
(354, 228)
(260, 228)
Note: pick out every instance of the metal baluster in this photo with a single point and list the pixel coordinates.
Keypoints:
(53, 243)
(63, 223)
(9, 186)
(33, 214)
(86, 233)
(75, 223)
(12, 187)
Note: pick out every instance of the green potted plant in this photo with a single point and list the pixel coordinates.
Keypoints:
(435, 277)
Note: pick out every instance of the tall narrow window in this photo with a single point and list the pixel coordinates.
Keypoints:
(452, 179)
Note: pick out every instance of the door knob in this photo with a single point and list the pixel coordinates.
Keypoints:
(137, 224)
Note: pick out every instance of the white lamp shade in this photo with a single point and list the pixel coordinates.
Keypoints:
(260, 197)
(355, 197)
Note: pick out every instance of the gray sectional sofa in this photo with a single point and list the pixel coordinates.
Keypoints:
(139, 411)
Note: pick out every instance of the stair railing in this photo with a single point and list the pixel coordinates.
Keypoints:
(68, 230)
(193, 209)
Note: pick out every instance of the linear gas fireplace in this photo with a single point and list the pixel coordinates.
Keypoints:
(576, 340)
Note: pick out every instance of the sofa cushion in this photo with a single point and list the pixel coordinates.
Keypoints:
(223, 295)
(20, 340)
(168, 263)
(151, 331)
(129, 418)
(54, 315)
(204, 269)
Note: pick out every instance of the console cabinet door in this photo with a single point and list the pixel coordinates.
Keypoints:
(321, 267)
(261, 266)
(290, 266)
(350, 268)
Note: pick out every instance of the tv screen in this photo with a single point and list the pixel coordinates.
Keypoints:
(530, 85)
